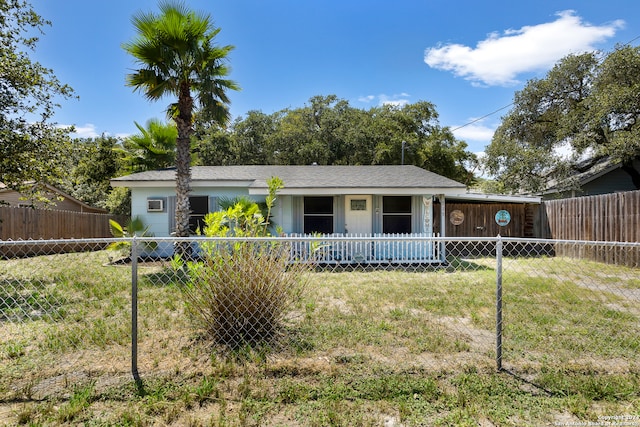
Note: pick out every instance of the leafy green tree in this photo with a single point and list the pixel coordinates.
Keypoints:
(178, 57)
(90, 165)
(412, 132)
(615, 107)
(101, 161)
(359, 137)
(586, 106)
(250, 140)
(442, 153)
(119, 201)
(328, 131)
(293, 142)
(153, 148)
(212, 147)
(31, 147)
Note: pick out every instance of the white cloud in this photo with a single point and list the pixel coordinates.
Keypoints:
(366, 99)
(89, 131)
(499, 59)
(397, 100)
(474, 132)
(86, 131)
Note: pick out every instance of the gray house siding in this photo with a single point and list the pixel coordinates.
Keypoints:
(615, 181)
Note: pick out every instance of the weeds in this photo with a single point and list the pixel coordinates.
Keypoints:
(363, 348)
(80, 400)
(241, 295)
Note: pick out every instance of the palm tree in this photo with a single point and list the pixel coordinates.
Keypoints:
(153, 148)
(178, 57)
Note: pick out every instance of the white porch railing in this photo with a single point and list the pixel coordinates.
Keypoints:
(365, 248)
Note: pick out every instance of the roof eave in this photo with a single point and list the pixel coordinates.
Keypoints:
(503, 198)
(172, 183)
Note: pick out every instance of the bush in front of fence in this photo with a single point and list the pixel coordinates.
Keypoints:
(240, 292)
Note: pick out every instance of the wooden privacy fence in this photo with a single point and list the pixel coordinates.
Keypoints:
(604, 218)
(478, 219)
(24, 223)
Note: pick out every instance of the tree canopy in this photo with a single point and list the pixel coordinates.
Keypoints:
(586, 107)
(31, 147)
(328, 131)
(90, 163)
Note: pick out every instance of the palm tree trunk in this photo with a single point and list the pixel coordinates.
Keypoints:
(183, 167)
(183, 187)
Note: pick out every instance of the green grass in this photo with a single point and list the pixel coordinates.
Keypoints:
(363, 348)
(579, 311)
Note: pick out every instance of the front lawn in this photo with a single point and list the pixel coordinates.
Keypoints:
(364, 348)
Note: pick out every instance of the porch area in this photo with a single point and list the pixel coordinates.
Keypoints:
(340, 248)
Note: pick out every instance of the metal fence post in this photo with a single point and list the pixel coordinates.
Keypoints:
(134, 309)
(499, 303)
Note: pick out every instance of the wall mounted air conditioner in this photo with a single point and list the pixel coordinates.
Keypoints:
(155, 205)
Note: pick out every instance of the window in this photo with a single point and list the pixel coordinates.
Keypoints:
(199, 208)
(318, 215)
(358, 204)
(396, 214)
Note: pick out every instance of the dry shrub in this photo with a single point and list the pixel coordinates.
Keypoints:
(241, 292)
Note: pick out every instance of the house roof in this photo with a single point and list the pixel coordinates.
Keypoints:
(584, 172)
(56, 191)
(305, 179)
(494, 198)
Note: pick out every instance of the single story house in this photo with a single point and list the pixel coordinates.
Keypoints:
(331, 200)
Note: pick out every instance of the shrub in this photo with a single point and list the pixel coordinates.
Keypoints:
(241, 291)
(134, 227)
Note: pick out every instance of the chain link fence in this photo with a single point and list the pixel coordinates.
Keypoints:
(65, 317)
(73, 311)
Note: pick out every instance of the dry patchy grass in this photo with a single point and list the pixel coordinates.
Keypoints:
(362, 348)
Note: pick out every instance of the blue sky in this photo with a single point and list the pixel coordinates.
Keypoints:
(466, 57)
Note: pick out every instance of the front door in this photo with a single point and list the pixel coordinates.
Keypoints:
(358, 215)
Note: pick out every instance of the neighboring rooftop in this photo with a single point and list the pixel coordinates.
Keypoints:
(58, 198)
(595, 176)
(494, 198)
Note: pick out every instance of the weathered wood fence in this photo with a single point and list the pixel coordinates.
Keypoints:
(479, 220)
(604, 218)
(24, 223)
(608, 217)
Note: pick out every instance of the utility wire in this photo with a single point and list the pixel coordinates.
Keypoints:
(481, 118)
(507, 106)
